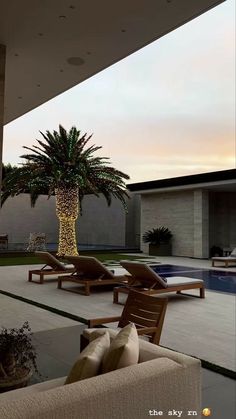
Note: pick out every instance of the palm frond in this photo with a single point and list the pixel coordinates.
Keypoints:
(62, 158)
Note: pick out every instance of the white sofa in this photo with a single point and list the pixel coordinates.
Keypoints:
(162, 381)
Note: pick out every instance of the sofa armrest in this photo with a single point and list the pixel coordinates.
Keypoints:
(126, 393)
(148, 352)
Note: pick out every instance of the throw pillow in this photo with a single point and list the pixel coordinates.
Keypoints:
(90, 359)
(124, 350)
(97, 333)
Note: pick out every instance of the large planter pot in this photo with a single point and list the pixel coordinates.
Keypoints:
(19, 379)
(160, 250)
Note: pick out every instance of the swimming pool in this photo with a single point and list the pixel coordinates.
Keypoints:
(214, 280)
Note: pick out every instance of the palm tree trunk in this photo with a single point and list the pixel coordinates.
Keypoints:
(67, 210)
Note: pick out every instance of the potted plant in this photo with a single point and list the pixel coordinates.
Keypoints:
(17, 357)
(216, 251)
(159, 240)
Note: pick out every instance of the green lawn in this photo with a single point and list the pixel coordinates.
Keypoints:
(18, 260)
(25, 259)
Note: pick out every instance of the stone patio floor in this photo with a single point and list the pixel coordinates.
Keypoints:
(204, 328)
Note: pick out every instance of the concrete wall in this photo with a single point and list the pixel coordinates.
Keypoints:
(99, 224)
(174, 210)
(133, 219)
(223, 219)
(197, 219)
(18, 219)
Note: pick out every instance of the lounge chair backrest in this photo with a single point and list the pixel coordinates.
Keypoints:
(144, 274)
(50, 260)
(90, 267)
(233, 253)
(144, 311)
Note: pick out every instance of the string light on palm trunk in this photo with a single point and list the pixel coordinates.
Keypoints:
(67, 210)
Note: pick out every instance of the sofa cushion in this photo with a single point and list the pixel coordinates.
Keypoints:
(124, 350)
(90, 359)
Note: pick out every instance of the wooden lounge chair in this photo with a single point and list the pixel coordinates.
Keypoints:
(226, 260)
(145, 280)
(145, 311)
(89, 272)
(52, 267)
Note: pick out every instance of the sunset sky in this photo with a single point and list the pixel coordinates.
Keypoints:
(165, 111)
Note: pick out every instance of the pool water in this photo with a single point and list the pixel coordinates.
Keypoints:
(213, 279)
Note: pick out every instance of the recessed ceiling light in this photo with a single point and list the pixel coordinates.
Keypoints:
(75, 61)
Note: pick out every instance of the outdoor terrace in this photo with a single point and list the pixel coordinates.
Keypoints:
(204, 328)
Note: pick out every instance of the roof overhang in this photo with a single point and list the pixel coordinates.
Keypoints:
(223, 180)
(224, 186)
(52, 46)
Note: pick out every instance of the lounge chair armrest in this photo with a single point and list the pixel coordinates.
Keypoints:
(131, 280)
(96, 322)
(123, 279)
(145, 330)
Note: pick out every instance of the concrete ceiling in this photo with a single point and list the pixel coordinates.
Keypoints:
(52, 45)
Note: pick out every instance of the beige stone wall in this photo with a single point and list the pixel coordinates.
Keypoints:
(174, 210)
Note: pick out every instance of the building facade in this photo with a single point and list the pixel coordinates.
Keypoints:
(200, 211)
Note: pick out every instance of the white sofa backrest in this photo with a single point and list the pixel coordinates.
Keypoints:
(167, 381)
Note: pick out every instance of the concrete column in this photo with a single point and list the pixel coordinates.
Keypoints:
(201, 224)
(2, 95)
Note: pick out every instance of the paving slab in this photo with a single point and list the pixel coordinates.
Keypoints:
(14, 313)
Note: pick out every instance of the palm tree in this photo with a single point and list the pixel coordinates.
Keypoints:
(61, 165)
(6, 169)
